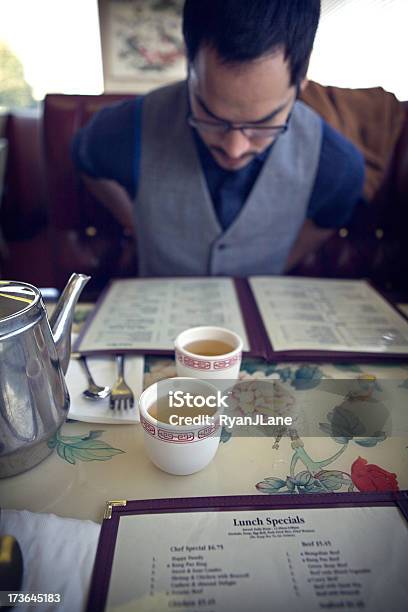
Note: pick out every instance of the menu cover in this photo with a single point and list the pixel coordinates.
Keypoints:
(278, 318)
(298, 553)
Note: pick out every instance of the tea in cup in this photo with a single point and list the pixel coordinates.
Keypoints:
(208, 352)
(181, 428)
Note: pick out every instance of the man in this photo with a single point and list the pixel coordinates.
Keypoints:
(226, 173)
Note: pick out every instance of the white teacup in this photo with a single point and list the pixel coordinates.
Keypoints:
(221, 367)
(179, 449)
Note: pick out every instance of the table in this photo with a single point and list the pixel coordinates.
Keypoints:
(92, 464)
(108, 461)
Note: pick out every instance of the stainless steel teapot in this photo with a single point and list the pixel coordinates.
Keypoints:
(34, 356)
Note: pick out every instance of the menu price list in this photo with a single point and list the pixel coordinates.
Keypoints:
(148, 314)
(195, 578)
(334, 582)
(195, 573)
(304, 560)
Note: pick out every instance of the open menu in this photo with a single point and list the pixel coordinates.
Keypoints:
(277, 317)
(318, 552)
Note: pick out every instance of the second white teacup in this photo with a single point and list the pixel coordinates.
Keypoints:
(207, 352)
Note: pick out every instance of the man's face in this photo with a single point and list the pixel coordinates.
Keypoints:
(256, 92)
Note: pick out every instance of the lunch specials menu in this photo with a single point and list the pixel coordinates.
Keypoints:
(298, 560)
(273, 315)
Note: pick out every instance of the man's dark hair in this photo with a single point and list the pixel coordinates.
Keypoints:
(243, 30)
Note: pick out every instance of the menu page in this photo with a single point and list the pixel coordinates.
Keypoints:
(297, 560)
(321, 314)
(149, 313)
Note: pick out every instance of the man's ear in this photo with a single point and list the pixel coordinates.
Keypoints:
(303, 84)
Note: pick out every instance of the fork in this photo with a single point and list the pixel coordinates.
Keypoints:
(121, 394)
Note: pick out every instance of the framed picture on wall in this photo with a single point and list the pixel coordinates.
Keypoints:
(142, 45)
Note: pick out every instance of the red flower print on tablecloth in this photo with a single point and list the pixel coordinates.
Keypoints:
(370, 477)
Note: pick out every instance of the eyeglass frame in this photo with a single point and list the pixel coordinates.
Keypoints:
(224, 127)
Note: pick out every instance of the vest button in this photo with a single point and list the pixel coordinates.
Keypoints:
(91, 231)
(221, 247)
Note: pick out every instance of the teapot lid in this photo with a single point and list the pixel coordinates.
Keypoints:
(15, 299)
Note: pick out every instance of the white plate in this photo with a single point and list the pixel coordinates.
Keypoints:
(104, 371)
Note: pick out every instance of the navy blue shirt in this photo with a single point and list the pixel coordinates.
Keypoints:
(109, 147)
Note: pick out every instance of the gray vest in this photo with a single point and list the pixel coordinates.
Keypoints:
(177, 228)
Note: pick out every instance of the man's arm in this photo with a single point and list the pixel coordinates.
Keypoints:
(337, 191)
(105, 152)
(310, 238)
(115, 198)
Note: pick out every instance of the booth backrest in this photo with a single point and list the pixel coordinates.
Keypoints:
(24, 205)
(86, 236)
(374, 245)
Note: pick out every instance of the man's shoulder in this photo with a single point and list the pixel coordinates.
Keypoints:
(172, 94)
(337, 149)
(339, 180)
(116, 115)
(105, 146)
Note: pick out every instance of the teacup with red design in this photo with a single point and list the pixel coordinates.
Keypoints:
(207, 352)
(181, 425)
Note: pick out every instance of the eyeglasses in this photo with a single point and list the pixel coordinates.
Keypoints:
(251, 131)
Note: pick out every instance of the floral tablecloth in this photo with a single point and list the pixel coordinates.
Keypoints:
(91, 465)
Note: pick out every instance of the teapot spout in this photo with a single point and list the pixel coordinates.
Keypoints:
(61, 318)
